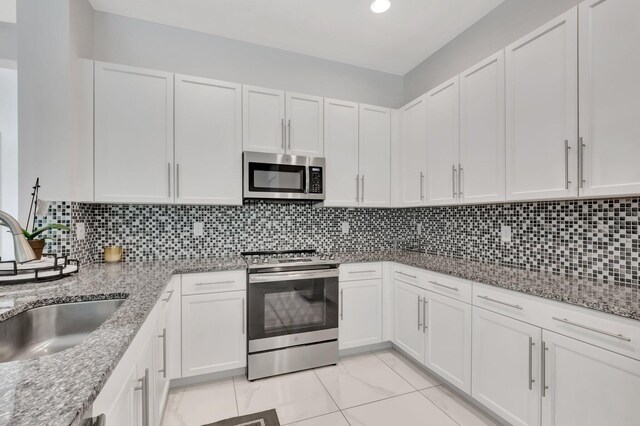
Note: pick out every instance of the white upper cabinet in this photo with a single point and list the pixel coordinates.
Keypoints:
(263, 125)
(586, 385)
(133, 134)
(482, 148)
(341, 152)
(304, 116)
(414, 152)
(208, 141)
(541, 119)
(443, 159)
(375, 151)
(609, 93)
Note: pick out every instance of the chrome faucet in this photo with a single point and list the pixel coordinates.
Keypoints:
(21, 248)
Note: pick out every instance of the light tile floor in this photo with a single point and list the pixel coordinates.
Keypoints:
(373, 389)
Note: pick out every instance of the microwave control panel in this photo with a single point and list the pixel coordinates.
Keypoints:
(315, 180)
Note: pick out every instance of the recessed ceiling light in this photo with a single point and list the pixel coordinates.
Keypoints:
(380, 6)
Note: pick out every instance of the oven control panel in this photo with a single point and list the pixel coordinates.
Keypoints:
(315, 180)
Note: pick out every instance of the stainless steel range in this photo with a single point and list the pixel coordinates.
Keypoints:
(292, 311)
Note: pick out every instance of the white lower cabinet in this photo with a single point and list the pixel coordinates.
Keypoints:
(407, 318)
(213, 332)
(447, 323)
(587, 385)
(360, 313)
(506, 367)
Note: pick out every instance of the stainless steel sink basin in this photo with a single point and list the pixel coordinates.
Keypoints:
(50, 329)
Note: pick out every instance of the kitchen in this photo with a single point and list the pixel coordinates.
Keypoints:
(433, 223)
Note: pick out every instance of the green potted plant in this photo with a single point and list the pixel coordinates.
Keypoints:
(35, 237)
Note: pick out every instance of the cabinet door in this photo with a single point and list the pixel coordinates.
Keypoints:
(482, 131)
(609, 93)
(375, 152)
(407, 319)
(263, 124)
(161, 387)
(414, 152)
(305, 129)
(213, 332)
(443, 144)
(506, 366)
(133, 134)
(360, 313)
(448, 347)
(341, 153)
(122, 411)
(208, 141)
(587, 385)
(541, 74)
(174, 329)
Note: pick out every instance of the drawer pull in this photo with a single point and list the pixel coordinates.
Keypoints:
(368, 271)
(500, 302)
(586, 327)
(407, 275)
(170, 293)
(217, 282)
(445, 286)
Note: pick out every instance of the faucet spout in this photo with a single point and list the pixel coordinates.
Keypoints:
(22, 249)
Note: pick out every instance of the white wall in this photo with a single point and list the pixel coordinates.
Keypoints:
(50, 84)
(502, 26)
(134, 42)
(8, 43)
(8, 151)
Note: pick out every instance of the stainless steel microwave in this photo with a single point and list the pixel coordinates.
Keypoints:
(283, 176)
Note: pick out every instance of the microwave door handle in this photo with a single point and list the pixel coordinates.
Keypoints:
(307, 178)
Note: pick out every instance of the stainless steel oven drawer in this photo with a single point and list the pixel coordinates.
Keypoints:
(288, 360)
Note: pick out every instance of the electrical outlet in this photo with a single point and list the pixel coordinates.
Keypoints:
(505, 234)
(345, 227)
(198, 229)
(80, 231)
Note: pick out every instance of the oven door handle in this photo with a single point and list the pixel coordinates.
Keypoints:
(292, 276)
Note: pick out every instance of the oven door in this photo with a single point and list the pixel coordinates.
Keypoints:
(292, 308)
(275, 176)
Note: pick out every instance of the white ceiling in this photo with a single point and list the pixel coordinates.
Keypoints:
(8, 11)
(339, 30)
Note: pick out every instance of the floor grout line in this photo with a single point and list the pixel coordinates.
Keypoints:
(235, 395)
(439, 408)
(392, 369)
(379, 400)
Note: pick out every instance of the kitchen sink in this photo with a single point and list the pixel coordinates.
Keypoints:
(49, 329)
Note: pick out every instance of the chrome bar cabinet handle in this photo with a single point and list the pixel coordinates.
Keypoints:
(163, 336)
(531, 379)
(407, 275)
(282, 137)
(424, 315)
(453, 181)
(144, 387)
(567, 182)
(357, 188)
(362, 192)
(177, 180)
(419, 306)
(581, 147)
(289, 133)
(595, 330)
(368, 271)
(342, 304)
(217, 282)
(445, 286)
(543, 369)
(170, 292)
(500, 302)
(421, 186)
(459, 180)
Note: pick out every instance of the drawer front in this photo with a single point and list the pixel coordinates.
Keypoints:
(360, 271)
(213, 282)
(616, 334)
(447, 285)
(410, 275)
(516, 305)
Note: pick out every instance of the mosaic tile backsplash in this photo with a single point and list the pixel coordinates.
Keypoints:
(593, 238)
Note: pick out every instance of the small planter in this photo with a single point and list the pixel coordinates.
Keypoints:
(37, 246)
